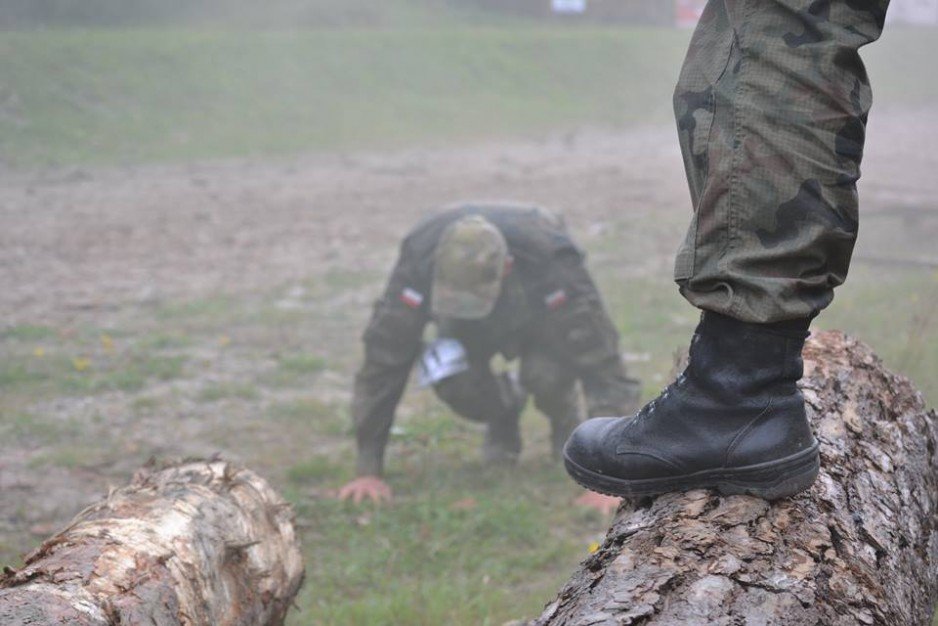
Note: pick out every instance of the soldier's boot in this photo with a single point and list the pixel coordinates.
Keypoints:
(734, 420)
(502, 443)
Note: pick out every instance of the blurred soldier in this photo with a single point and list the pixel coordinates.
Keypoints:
(495, 280)
(772, 106)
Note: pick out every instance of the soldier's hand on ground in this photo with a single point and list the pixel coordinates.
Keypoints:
(598, 502)
(366, 488)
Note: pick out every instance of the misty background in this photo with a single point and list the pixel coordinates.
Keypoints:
(200, 200)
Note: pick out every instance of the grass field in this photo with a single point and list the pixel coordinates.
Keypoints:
(463, 543)
(128, 96)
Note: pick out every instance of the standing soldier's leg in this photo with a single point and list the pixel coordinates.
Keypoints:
(554, 389)
(479, 395)
(771, 107)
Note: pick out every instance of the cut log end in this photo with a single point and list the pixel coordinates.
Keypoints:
(859, 547)
(199, 542)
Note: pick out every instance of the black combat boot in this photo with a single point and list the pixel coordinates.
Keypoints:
(502, 443)
(734, 420)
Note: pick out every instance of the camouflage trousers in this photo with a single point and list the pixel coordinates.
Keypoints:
(480, 395)
(771, 108)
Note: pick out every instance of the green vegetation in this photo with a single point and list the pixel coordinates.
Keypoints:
(136, 95)
(896, 312)
(32, 429)
(214, 392)
(28, 332)
(462, 545)
(236, 13)
(60, 372)
(295, 370)
(114, 96)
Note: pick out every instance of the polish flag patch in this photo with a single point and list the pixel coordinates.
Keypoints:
(556, 299)
(411, 298)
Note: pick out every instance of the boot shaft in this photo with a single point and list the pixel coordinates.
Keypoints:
(733, 359)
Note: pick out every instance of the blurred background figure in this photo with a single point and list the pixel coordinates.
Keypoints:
(494, 279)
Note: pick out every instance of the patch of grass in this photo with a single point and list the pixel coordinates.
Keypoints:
(109, 96)
(144, 404)
(302, 363)
(459, 546)
(31, 429)
(343, 279)
(895, 312)
(59, 373)
(214, 392)
(165, 341)
(316, 469)
(211, 308)
(300, 410)
(161, 367)
(241, 13)
(19, 372)
(129, 373)
(75, 455)
(295, 370)
(462, 543)
(28, 332)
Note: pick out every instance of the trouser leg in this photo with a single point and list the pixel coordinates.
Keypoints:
(771, 108)
(496, 400)
(555, 395)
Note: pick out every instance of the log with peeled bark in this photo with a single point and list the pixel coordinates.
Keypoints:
(198, 543)
(859, 547)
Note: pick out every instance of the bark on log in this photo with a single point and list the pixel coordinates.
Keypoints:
(202, 543)
(859, 547)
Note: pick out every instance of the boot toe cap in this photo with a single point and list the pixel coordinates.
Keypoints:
(588, 445)
(604, 446)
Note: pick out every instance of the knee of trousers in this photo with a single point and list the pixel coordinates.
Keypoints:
(470, 398)
(552, 384)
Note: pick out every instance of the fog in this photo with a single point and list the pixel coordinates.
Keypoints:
(200, 203)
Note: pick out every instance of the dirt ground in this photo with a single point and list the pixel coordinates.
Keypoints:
(105, 248)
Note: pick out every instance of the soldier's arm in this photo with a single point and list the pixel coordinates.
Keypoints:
(392, 343)
(590, 340)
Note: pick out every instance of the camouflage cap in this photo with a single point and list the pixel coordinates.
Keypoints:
(469, 264)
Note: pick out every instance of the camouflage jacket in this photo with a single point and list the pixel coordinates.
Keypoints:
(548, 300)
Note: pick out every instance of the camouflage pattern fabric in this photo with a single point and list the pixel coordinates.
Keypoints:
(771, 108)
(548, 314)
(469, 264)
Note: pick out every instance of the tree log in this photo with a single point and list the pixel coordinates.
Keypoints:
(859, 547)
(201, 543)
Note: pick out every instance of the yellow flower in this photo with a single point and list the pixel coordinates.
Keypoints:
(80, 363)
(39, 352)
(107, 342)
(593, 547)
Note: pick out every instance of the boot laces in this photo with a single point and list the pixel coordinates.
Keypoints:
(649, 408)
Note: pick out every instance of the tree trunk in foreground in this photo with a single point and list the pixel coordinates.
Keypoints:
(201, 543)
(859, 547)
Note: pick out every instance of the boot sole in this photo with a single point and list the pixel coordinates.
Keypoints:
(772, 480)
